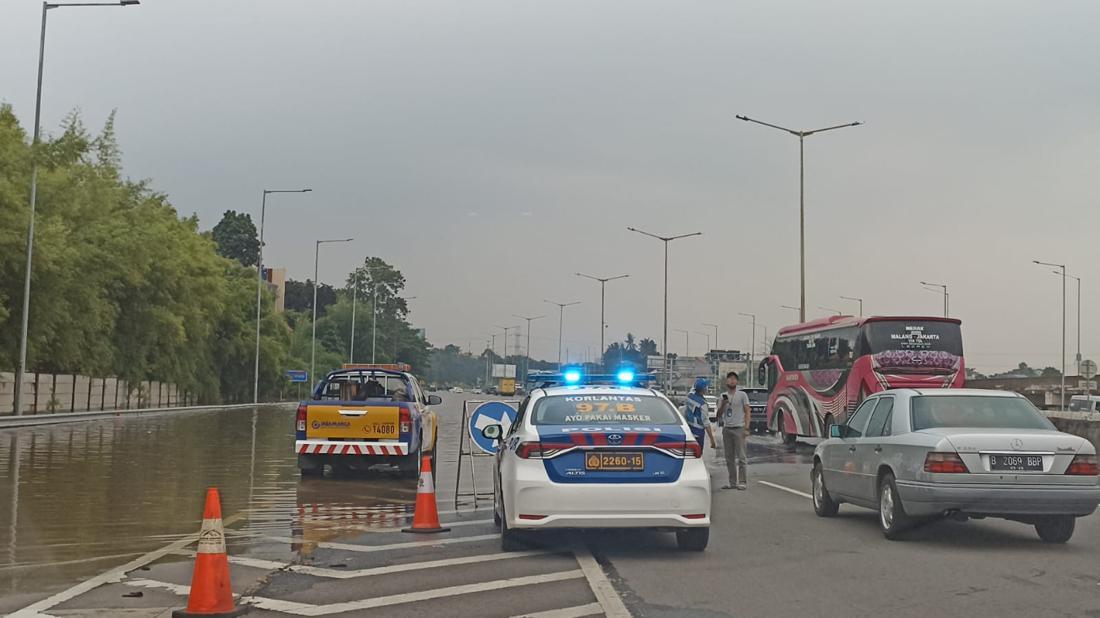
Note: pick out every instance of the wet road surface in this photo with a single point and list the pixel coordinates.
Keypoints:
(87, 498)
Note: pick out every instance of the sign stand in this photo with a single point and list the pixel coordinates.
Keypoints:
(470, 452)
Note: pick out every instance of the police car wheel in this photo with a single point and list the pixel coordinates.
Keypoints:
(509, 539)
(693, 539)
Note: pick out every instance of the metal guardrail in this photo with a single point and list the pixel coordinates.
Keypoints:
(32, 420)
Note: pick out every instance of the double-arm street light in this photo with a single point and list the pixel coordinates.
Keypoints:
(260, 284)
(561, 321)
(1062, 271)
(527, 350)
(316, 259)
(25, 320)
(858, 300)
(603, 284)
(801, 135)
(946, 297)
(664, 340)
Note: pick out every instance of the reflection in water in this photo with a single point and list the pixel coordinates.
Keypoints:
(86, 497)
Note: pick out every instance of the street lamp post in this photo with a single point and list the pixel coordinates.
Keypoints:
(801, 135)
(715, 327)
(1078, 358)
(603, 284)
(397, 328)
(796, 309)
(664, 340)
(561, 321)
(831, 310)
(260, 283)
(527, 350)
(25, 319)
(946, 297)
(687, 341)
(752, 348)
(1061, 270)
(707, 335)
(858, 300)
(313, 339)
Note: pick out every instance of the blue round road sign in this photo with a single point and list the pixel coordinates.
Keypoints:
(490, 413)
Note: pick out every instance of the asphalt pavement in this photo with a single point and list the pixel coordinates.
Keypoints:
(333, 546)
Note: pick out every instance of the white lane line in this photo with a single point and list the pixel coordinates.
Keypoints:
(305, 569)
(305, 609)
(566, 612)
(114, 575)
(787, 489)
(609, 600)
(427, 542)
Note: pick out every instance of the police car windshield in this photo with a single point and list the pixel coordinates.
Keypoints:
(609, 409)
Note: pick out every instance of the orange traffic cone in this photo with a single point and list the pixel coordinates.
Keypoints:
(425, 518)
(211, 593)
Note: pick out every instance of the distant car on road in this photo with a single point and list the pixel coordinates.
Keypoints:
(758, 403)
(916, 455)
(1084, 403)
(475, 391)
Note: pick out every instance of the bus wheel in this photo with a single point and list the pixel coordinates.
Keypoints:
(784, 437)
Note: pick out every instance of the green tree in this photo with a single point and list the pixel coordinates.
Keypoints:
(235, 237)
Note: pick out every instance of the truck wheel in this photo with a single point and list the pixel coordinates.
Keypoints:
(409, 466)
(310, 466)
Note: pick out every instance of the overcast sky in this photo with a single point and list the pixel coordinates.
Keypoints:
(491, 149)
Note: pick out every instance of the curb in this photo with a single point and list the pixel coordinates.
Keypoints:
(35, 420)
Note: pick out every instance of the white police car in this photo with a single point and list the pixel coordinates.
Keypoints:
(599, 452)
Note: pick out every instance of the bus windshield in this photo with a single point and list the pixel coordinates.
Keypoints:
(913, 336)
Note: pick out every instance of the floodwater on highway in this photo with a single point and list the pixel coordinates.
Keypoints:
(81, 498)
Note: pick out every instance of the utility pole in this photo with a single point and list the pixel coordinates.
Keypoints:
(527, 350)
(603, 322)
(801, 135)
(561, 322)
(664, 341)
(24, 326)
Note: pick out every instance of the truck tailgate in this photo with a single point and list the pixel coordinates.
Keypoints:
(350, 422)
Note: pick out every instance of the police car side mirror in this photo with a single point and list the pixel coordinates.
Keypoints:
(492, 432)
(434, 400)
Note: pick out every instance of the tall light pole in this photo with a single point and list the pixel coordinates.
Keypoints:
(707, 335)
(527, 350)
(397, 328)
(831, 310)
(715, 327)
(664, 340)
(561, 321)
(801, 135)
(1062, 270)
(797, 310)
(505, 329)
(752, 348)
(946, 296)
(1078, 359)
(25, 320)
(260, 283)
(313, 339)
(603, 284)
(858, 300)
(687, 341)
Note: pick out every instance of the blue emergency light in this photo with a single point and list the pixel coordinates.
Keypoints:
(575, 376)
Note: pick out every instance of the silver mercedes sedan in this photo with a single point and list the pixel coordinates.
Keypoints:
(917, 455)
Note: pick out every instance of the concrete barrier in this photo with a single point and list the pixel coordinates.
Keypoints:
(13, 422)
(1084, 424)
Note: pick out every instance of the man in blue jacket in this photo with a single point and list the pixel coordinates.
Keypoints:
(697, 412)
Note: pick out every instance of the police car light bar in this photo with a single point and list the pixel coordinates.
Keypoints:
(574, 376)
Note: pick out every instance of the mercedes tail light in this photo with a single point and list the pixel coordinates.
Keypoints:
(300, 418)
(688, 449)
(406, 420)
(944, 463)
(540, 450)
(1083, 465)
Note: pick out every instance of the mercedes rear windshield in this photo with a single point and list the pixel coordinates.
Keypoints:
(983, 412)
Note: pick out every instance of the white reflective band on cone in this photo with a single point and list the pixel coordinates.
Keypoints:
(426, 485)
(211, 537)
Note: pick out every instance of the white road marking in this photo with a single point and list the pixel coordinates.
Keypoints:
(787, 489)
(178, 589)
(609, 600)
(305, 609)
(112, 576)
(306, 569)
(427, 542)
(566, 612)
